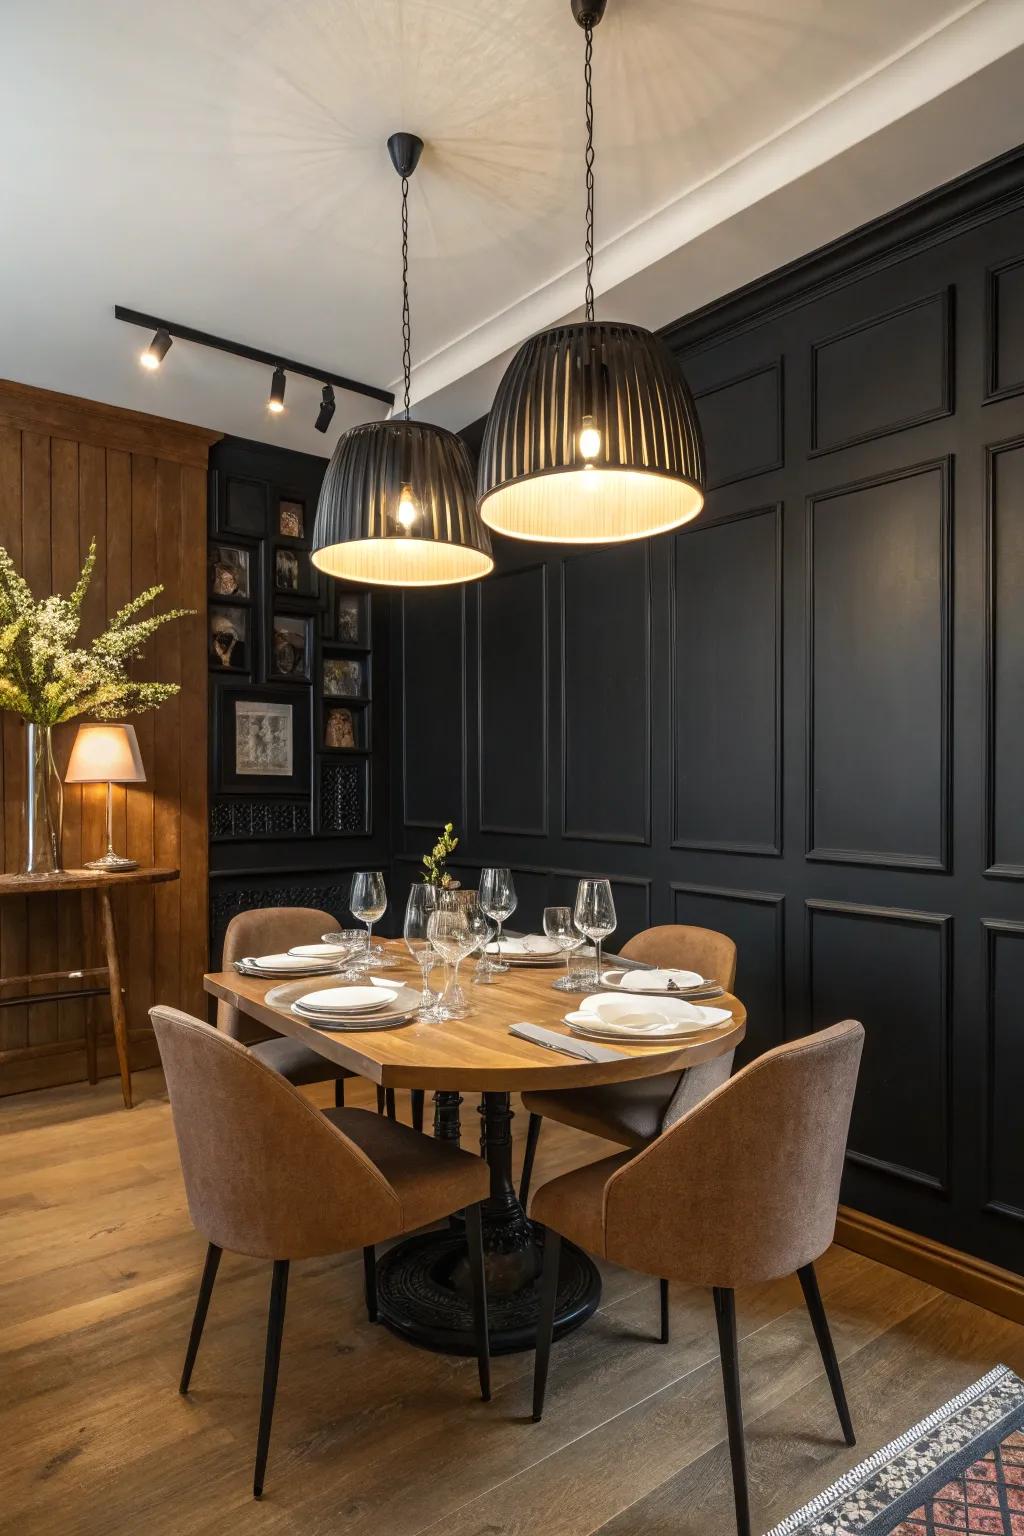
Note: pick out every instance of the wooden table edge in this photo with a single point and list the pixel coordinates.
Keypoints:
(551, 1071)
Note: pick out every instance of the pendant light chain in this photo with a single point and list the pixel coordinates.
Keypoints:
(588, 79)
(406, 323)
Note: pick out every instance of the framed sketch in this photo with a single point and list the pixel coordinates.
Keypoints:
(230, 640)
(291, 647)
(229, 572)
(291, 519)
(341, 729)
(344, 677)
(261, 741)
(293, 572)
(350, 618)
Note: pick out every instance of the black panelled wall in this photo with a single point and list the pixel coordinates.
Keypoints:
(802, 720)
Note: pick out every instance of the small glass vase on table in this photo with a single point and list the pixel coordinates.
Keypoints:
(561, 930)
(594, 916)
(421, 902)
(498, 900)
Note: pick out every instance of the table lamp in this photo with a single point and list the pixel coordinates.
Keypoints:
(107, 754)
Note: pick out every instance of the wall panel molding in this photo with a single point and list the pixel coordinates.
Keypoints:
(737, 773)
(868, 979)
(1004, 377)
(888, 340)
(1003, 868)
(757, 397)
(443, 684)
(524, 747)
(872, 729)
(607, 701)
(1002, 1109)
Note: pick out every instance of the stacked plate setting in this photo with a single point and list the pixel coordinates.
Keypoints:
(621, 1020)
(303, 960)
(660, 983)
(343, 1005)
(531, 949)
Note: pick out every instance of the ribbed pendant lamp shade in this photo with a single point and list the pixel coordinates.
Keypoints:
(641, 474)
(397, 508)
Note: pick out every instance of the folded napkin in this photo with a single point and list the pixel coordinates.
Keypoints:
(661, 981)
(608, 1009)
(623, 1029)
(565, 1045)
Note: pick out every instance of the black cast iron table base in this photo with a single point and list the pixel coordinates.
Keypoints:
(423, 1283)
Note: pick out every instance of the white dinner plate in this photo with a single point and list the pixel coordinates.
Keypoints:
(320, 951)
(287, 963)
(355, 1022)
(348, 999)
(654, 983)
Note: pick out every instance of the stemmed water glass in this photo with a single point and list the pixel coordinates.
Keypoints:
(422, 901)
(448, 931)
(498, 899)
(368, 900)
(348, 942)
(561, 930)
(481, 930)
(595, 916)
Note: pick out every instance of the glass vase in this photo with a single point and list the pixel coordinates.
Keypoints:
(44, 804)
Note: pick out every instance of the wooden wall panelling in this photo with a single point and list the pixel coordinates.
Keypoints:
(755, 398)
(755, 921)
(1004, 1068)
(69, 471)
(512, 702)
(433, 691)
(1004, 329)
(1004, 645)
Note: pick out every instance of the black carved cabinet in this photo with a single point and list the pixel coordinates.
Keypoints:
(297, 683)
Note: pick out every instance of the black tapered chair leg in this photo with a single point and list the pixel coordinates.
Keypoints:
(339, 1093)
(416, 1104)
(478, 1282)
(725, 1316)
(370, 1281)
(532, 1137)
(663, 1289)
(389, 1099)
(275, 1327)
(546, 1319)
(381, 1102)
(816, 1308)
(209, 1275)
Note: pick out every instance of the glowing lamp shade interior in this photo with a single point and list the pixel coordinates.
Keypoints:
(398, 509)
(593, 438)
(105, 754)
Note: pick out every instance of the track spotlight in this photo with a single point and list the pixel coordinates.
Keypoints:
(156, 351)
(276, 401)
(326, 411)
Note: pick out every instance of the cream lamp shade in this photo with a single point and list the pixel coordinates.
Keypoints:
(105, 754)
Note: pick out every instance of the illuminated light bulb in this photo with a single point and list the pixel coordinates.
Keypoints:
(156, 351)
(277, 386)
(589, 439)
(408, 511)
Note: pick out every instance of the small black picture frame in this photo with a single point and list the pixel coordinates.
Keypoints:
(292, 574)
(350, 614)
(291, 518)
(343, 727)
(344, 677)
(232, 570)
(230, 638)
(290, 647)
(261, 740)
(243, 507)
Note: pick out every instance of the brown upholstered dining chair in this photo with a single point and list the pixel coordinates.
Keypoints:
(269, 1175)
(269, 930)
(743, 1189)
(632, 1114)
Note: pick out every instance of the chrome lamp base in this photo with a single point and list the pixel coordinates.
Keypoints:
(112, 863)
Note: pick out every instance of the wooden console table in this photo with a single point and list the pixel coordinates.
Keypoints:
(94, 886)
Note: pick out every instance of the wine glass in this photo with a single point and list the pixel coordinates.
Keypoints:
(422, 900)
(448, 931)
(479, 926)
(369, 901)
(498, 899)
(560, 929)
(594, 916)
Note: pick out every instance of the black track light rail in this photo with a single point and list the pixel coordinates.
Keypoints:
(253, 354)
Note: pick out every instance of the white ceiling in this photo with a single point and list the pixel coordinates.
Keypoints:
(222, 163)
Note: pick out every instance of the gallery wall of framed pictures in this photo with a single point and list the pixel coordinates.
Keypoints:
(290, 658)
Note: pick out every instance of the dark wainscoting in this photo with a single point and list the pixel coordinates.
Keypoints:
(801, 720)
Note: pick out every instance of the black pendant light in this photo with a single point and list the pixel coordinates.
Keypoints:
(593, 436)
(398, 506)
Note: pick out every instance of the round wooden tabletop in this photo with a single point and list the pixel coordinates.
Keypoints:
(477, 1053)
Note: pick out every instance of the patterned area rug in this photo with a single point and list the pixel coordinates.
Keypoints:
(960, 1472)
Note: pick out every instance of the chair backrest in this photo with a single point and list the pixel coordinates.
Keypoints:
(265, 1172)
(745, 1187)
(266, 931)
(690, 949)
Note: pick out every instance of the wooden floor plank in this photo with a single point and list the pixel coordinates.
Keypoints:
(371, 1435)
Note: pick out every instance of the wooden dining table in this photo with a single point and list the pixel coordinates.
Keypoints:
(422, 1281)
